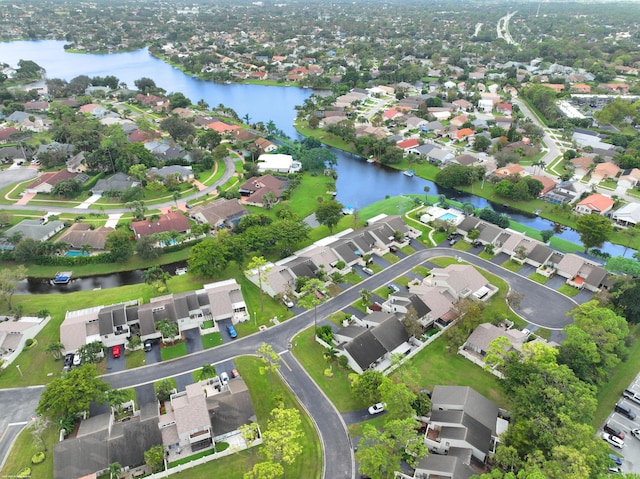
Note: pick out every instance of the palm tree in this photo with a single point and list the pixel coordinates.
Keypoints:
(116, 397)
(85, 249)
(176, 197)
(114, 470)
(208, 371)
(365, 295)
(55, 348)
(168, 329)
(442, 200)
(426, 190)
(330, 354)
(468, 209)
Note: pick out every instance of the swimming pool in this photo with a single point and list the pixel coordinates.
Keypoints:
(447, 217)
(76, 253)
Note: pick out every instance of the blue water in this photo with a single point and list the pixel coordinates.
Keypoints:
(359, 183)
(76, 253)
(447, 217)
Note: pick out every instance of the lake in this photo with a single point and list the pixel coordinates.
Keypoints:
(359, 183)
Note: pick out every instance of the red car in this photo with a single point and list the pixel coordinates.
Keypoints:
(116, 351)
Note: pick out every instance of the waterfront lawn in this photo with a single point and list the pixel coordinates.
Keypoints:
(26, 446)
(174, 351)
(435, 365)
(337, 388)
(211, 340)
(264, 395)
(568, 290)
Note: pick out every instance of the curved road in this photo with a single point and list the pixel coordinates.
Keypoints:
(540, 305)
(230, 169)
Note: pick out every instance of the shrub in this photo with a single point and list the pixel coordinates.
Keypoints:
(29, 342)
(26, 472)
(341, 264)
(221, 446)
(38, 458)
(326, 334)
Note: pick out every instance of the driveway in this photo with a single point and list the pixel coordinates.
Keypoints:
(145, 394)
(500, 258)
(18, 406)
(556, 282)
(153, 356)
(193, 340)
(115, 364)
(583, 296)
(183, 380)
(16, 175)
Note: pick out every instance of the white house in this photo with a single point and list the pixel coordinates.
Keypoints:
(278, 163)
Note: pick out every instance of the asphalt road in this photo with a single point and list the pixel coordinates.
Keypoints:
(9, 176)
(541, 306)
(17, 406)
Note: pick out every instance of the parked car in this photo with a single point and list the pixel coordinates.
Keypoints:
(615, 470)
(377, 408)
(234, 373)
(68, 362)
(77, 360)
(625, 410)
(232, 331)
(115, 351)
(631, 396)
(616, 460)
(636, 433)
(368, 271)
(392, 287)
(224, 378)
(614, 430)
(452, 242)
(614, 441)
(393, 249)
(287, 301)
(148, 346)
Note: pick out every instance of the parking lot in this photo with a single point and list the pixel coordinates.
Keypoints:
(631, 450)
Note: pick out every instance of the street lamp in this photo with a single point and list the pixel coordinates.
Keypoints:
(255, 319)
(19, 370)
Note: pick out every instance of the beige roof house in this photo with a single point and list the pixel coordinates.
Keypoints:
(604, 171)
(80, 234)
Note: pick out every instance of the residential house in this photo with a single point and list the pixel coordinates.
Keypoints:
(479, 341)
(222, 127)
(46, 181)
(504, 109)
(182, 173)
(416, 123)
(264, 145)
(509, 170)
(185, 425)
(618, 88)
(371, 346)
(462, 105)
(548, 184)
(401, 302)
(34, 105)
(594, 204)
(628, 215)
(581, 272)
(564, 192)
(94, 110)
(463, 425)
(76, 163)
(254, 189)
(14, 334)
(582, 88)
(465, 134)
(278, 163)
(459, 120)
(219, 213)
(438, 156)
(461, 281)
(171, 221)
(407, 145)
(464, 159)
(80, 234)
(35, 229)
(629, 178)
(118, 182)
(101, 441)
(581, 165)
(604, 171)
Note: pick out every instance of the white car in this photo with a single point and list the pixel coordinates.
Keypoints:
(636, 433)
(377, 408)
(224, 378)
(287, 301)
(368, 271)
(614, 441)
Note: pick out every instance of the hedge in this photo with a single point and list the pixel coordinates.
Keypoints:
(92, 181)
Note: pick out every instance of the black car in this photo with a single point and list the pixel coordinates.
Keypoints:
(148, 346)
(68, 362)
(614, 430)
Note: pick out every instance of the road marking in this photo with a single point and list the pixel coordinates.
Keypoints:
(17, 423)
(285, 363)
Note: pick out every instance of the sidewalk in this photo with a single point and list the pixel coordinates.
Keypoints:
(89, 201)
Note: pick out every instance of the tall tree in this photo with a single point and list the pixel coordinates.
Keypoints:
(311, 297)
(593, 230)
(329, 214)
(154, 458)
(265, 470)
(270, 361)
(208, 258)
(207, 371)
(281, 438)
(119, 245)
(8, 279)
(258, 265)
(72, 393)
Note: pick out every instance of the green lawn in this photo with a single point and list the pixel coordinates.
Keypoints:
(568, 290)
(609, 393)
(134, 359)
(512, 265)
(25, 447)
(484, 255)
(211, 340)
(538, 278)
(337, 388)
(462, 246)
(175, 351)
(436, 366)
(421, 270)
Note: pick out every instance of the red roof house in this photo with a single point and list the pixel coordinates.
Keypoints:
(172, 221)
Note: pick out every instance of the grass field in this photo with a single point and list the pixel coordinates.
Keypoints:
(211, 340)
(174, 351)
(338, 389)
(27, 445)
(568, 290)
